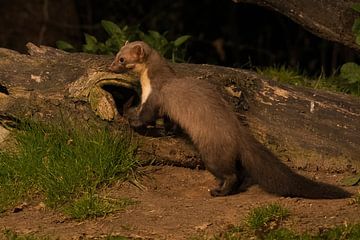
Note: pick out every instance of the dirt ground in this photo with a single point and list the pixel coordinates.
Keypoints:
(175, 204)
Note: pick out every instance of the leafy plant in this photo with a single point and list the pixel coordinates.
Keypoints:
(356, 25)
(169, 49)
(63, 164)
(351, 72)
(174, 50)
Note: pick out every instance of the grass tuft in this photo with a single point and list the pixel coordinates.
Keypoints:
(283, 74)
(63, 164)
(265, 218)
(91, 206)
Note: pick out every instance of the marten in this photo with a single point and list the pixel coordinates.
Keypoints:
(226, 147)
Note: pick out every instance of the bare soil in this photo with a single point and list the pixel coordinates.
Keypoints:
(174, 203)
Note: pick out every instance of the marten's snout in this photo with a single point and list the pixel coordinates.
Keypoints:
(111, 68)
(116, 67)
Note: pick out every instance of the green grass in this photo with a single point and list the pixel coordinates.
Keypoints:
(265, 218)
(335, 83)
(264, 223)
(348, 232)
(116, 238)
(284, 75)
(11, 235)
(63, 164)
(91, 206)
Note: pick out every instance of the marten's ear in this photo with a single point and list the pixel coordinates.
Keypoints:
(139, 51)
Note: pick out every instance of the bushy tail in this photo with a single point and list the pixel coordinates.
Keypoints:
(275, 177)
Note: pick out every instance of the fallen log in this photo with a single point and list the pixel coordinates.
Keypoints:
(308, 128)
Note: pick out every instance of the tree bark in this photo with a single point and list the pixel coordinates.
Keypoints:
(309, 128)
(329, 19)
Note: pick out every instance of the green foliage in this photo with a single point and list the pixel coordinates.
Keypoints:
(266, 218)
(117, 38)
(63, 164)
(356, 7)
(174, 50)
(356, 25)
(169, 49)
(65, 46)
(351, 73)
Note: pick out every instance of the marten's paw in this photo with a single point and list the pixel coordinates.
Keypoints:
(226, 187)
(216, 192)
(132, 115)
(220, 191)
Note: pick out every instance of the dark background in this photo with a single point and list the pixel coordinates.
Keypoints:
(223, 32)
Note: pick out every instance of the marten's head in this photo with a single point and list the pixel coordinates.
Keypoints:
(132, 56)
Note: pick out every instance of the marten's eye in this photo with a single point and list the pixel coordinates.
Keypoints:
(121, 60)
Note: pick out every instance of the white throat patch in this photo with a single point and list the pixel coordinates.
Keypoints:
(145, 86)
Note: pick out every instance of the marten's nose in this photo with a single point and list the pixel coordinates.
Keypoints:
(113, 67)
(117, 68)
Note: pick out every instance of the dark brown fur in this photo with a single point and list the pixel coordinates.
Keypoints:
(226, 146)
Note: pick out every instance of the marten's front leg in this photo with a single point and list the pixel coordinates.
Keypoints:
(143, 114)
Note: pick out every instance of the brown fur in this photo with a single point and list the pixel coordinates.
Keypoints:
(226, 147)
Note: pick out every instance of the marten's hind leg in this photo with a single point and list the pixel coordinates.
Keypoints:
(228, 174)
